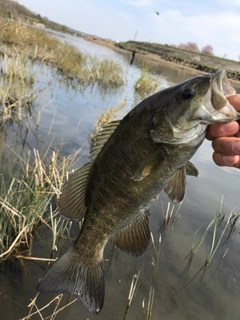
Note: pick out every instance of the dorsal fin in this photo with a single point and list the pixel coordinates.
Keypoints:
(102, 137)
(134, 238)
(72, 202)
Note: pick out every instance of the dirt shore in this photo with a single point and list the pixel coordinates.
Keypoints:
(147, 57)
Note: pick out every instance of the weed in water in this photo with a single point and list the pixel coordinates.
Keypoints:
(105, 118)
(69, 61)
(146, 84)
(25, 196)
(133, 287)
(17, 92)
(216, 239)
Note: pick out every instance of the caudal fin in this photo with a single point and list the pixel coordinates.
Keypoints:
(69, 275)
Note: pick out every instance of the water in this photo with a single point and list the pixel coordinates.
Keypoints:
(213, 295)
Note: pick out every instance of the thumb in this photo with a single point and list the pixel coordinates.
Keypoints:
(234, 101)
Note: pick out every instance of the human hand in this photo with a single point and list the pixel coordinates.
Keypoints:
(226, 139)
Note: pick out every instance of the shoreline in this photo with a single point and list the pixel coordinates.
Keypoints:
(154, 58)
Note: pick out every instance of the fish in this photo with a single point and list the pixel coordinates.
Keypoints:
(132, 160)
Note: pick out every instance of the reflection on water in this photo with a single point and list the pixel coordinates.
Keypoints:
(69, 118)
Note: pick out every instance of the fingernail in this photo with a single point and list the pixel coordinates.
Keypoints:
(236, 147)
(228, 159)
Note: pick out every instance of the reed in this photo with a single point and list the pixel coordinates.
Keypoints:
(220, 230)
(105, 117)
(146, 84)
(17, 92)
(69, 61)
(25, 194)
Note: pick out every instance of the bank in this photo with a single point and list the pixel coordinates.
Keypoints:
(180, 58)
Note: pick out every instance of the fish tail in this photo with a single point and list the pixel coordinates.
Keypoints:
(69, 274)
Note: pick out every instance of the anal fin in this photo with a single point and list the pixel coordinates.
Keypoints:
(134, 238)
(191, 170)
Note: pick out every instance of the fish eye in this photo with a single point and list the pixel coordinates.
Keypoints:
(188, 93)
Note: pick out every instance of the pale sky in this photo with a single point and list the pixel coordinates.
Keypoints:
(214, 22)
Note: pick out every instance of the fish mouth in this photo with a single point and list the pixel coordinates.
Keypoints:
(215, 99)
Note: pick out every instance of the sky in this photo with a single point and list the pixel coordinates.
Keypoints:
(205, 22)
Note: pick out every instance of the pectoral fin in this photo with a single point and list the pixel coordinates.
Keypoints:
(147, 166)
(134, 238)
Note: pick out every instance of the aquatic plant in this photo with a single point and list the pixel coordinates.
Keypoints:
(17, 92)
(69, 61)
(34, 309)
(106, 72)
(104, 118)
(146, 84)
(25, 194)
(132, 291)
(220, 229)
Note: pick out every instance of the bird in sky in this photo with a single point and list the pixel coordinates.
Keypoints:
(157, 13)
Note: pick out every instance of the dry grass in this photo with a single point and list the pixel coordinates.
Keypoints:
(17, 92)
(34, 310)
(146, 84)
(25, 195)
(219, 231)
(104, 118)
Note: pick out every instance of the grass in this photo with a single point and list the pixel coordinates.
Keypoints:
(69, 61)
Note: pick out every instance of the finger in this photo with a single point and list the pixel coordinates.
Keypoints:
(227, 145)
(226, 129)
(234, 101)
(223, 160)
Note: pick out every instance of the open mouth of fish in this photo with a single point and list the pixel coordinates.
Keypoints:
(215, 101)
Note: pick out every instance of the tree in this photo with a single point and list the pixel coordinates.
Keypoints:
(191, 46)
(208, 50)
